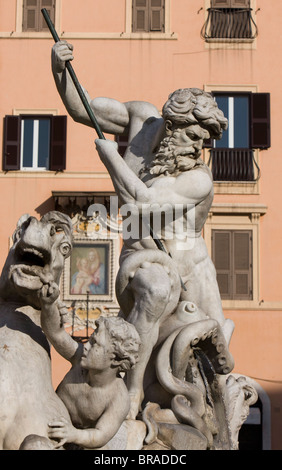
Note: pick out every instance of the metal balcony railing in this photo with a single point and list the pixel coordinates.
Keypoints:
(233, 165)
(229, 23)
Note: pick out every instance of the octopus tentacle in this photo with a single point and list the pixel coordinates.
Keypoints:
(183, 413)
(174, 385)
(128, 269)
(189, 406)
(208, 336)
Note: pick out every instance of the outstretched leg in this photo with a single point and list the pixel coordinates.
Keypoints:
(151, 288)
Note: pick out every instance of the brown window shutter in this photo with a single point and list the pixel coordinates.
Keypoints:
(30, 15)
(208, 144)
(221, 255)
(11, 147)
(242, 277)
(50, 7)
(58, 143)
(220, 3)
(230, 3)
(122, 141)
(240, 4)
(157, 15)
(260, 120)
(232, 257)
(140, 16)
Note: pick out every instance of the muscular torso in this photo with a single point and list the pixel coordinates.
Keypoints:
(145, 134)
(86, 404)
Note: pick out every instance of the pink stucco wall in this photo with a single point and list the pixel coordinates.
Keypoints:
(149, 70)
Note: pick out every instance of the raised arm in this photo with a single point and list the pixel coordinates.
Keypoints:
(111, 115)
(52, 325)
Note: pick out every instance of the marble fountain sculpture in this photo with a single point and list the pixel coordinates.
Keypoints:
(159, 375)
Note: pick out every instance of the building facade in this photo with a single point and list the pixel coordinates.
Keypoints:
(144, 50)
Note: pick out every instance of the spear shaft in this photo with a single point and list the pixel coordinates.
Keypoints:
(90, 112)
(74, 78)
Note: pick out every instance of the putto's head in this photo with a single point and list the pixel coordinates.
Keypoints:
(188, 106)
(125, 341)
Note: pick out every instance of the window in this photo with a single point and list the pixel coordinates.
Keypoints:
(33, 20)
(148, 16)
(34, 142)
(232, 257)
(122, 141)
(229, 19)
(232, 157)
(236, 109)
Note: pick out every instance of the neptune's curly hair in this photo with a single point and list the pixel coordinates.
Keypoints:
(185, 107)
(195, 106)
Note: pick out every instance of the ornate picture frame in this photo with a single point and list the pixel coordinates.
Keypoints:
(87, 287)
(88, 281)
(90, 269)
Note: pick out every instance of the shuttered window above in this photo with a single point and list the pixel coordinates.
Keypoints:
(148, 16)
(232, 157)
(232, 257)
(33, 20)
(230, 20)
(34, 143)
(230, 3)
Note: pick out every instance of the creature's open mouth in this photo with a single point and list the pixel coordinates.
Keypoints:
(32, 257)
(30, 269)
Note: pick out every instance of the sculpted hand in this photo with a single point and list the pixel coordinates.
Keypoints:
(62, 431)
(49, 293)
(105, 147)
(61, 52)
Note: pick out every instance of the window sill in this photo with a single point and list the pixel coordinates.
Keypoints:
(251, 305)
(151, 35)
(230, 43)
(229, 40)
(82, 35)
(24, 35)
(236, 187)
(51, 174)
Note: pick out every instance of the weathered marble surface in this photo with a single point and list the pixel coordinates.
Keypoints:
(158, 376)
(171, 296)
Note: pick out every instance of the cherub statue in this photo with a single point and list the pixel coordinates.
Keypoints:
(93, 390)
